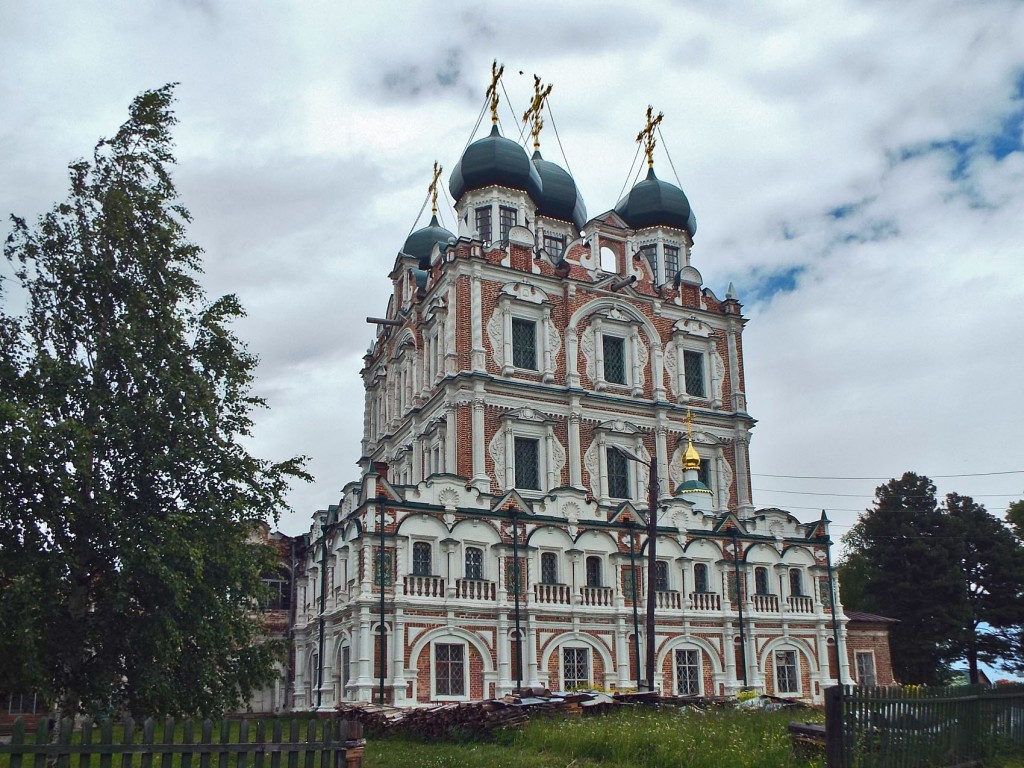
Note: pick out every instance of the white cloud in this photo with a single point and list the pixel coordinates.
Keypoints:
(307, 133)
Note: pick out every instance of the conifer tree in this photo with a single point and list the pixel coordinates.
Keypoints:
(129, 569)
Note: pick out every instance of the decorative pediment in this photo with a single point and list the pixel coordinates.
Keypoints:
(528, 415)
(521, 291)
(729, 523)
(627, 512)
(692, 326)
(619, 427)
(513, 501)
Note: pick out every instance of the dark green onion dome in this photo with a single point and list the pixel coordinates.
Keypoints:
(653, 203)
(559, 198)
(495, 160)
(692, 486)
(421, 242)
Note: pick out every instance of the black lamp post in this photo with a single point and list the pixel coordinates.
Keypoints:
(739, 603)
(653, 491)
(515, 591)
(381, 564)
(832, 599)
(636, 622)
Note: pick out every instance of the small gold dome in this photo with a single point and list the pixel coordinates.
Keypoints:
(691, 459)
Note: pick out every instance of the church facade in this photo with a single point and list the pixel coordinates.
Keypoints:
(526, 373)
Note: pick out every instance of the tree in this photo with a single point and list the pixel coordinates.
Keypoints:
(951, 574)
(129, 569)
(992, 565)
(1015, 517)
(903, 554)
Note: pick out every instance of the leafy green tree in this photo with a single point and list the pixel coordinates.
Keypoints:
(1015, 517)
(129, 568)
(903, 554)
(992, 565)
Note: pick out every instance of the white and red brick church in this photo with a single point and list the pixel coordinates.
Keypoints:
(524, 371)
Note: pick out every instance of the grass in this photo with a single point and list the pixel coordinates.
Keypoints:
(638, 738)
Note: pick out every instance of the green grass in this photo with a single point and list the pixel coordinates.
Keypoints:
(638, 738)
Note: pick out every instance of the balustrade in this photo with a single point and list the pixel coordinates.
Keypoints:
(474, 589)
(705, 601)
(596, 595)
(766, 603)
(559, 594)
(424, 586)
(665, 599)
(801, 604)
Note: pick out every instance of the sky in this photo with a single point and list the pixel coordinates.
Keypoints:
(856, 169)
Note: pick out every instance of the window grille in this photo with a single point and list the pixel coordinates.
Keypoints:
(549, 568)
(387, 566)
(514, 577)
(866, 668)
(661, 576)
(796, 582)
(527, 456)
(614, 359)
(618, 475)
(474, 563)
(576, 668)
(700, 578)
(786, 673)
(279, 592)
(593, 571)
(761, 584)
(671, 261)
(687, 672)
(693, 365)
(421, 560)
(628, 577)
(449, 669)
(507, 218)
(483, 222)
(554, 245)
(524, 343)
(650, 252)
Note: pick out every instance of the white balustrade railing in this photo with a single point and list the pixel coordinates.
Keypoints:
(705, 601)
(596, 595)
(557, 594)
(474, 589)
(766, 603)
(801, 604)
(666, 599)
(424, 586)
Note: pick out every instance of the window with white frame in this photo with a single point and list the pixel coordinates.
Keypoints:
(688, 675)
(618, 474)
(650, 252)
(787, 673)
(483, 222)
(671, 262)
(593, 567)
(701, 583)
(614, 349)
(474, 563)
(693, 373)
(762, 586)
(421, 559)
(507, 218)
(661, 576)
(796, 582)
(548, 568)
(346, 661)
(865, 668)
(527, 463)
(575, 668)
(449, 669)
(524, 343)
(554, 244)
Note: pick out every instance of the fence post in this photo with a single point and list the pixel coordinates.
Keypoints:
(834, 726)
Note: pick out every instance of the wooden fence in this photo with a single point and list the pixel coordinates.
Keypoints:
(936, 727)
(239, 743)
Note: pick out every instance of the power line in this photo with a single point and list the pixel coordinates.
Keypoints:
(864, 495)
(930, 477)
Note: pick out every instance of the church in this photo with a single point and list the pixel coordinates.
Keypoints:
(555, 485)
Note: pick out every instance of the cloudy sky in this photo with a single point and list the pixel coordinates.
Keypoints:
(856, 168)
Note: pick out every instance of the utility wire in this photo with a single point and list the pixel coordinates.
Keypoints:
(628, 173)
(479, 119)
(931, 477)
(670, 163)
(863, 495)
(558, 138)
(422, 207)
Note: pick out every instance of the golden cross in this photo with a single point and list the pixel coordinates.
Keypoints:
(689, 425)
(492, 90)
(646, 136)
(432, 189)
(540, 93)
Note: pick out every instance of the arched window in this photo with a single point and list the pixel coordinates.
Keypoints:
(700, 578)
(549, 568)
(796, 582)
(609, 260)
(594, 571)
(474, 563)
(421, 560)
(661, 576)
(761, 585)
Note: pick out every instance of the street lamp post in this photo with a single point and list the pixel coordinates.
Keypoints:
(517, 576)
(636, 623)
(381, 564)
(653, 492)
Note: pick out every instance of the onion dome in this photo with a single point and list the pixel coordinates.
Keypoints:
(421, 242)
(495, 160)
(653, 203)
(691, 459)
(559, 198)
